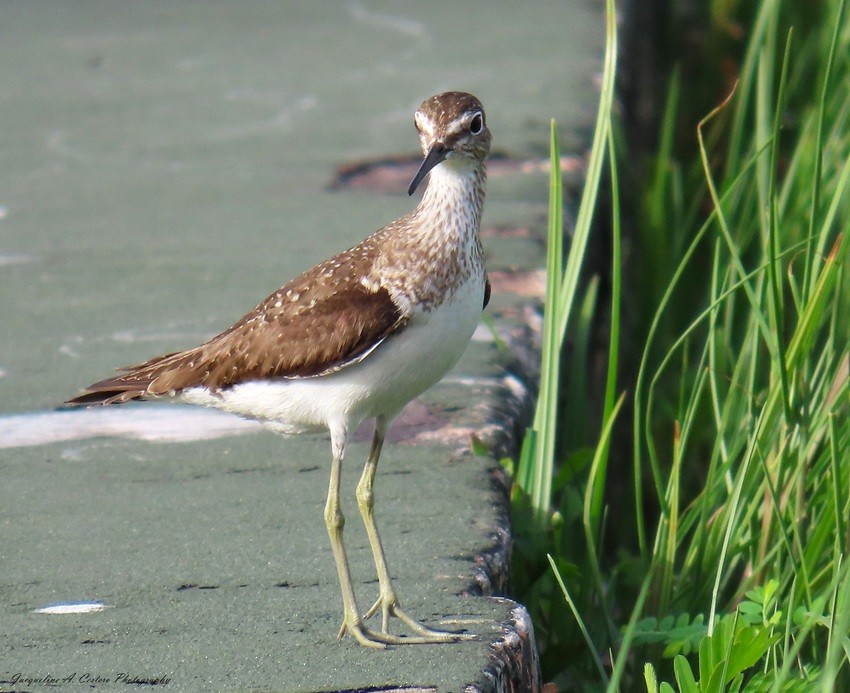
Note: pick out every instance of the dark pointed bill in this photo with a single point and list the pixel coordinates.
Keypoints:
(435, 155)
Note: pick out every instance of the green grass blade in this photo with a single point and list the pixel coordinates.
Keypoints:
(585, 634)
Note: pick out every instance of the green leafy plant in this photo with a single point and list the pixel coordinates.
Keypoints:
(737, 387)
(724, 658)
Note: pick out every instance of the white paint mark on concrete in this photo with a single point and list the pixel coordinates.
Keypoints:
(72, 608)
(402, 25)
(163, 424)
(8, 259)
(68, 350)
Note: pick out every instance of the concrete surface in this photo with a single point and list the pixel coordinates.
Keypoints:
(163, 167)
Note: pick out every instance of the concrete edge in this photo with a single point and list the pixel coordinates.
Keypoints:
(515, 666)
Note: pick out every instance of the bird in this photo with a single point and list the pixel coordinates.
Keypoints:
(355, 337)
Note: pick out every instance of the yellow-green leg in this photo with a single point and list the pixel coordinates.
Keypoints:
(335, 521)
(387, 602)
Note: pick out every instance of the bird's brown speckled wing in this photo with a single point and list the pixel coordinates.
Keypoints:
(320, 322)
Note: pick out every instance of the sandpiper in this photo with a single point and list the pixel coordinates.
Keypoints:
(355, 337)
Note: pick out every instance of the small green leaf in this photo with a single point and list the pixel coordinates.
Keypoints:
(685, 676)
(509, 466)
(649, 678)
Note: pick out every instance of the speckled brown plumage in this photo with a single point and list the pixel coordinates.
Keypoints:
(319, 322)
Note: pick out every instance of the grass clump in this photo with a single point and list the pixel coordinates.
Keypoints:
(706, 548)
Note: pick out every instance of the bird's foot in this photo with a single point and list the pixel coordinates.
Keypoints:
(380, 640)
(389, 606)
(363, 635)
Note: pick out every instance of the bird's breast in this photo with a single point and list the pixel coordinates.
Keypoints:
(418, 356)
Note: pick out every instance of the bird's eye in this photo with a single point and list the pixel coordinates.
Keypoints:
(476, 125)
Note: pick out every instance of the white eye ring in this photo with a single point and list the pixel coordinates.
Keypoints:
(476, 124)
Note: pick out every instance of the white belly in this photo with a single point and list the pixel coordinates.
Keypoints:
(401, 368)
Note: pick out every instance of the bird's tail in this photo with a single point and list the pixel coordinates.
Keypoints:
(160, 376)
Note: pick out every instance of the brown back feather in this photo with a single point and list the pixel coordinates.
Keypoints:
(318, 323)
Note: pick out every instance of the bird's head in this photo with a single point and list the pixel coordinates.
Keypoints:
(451, 125)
